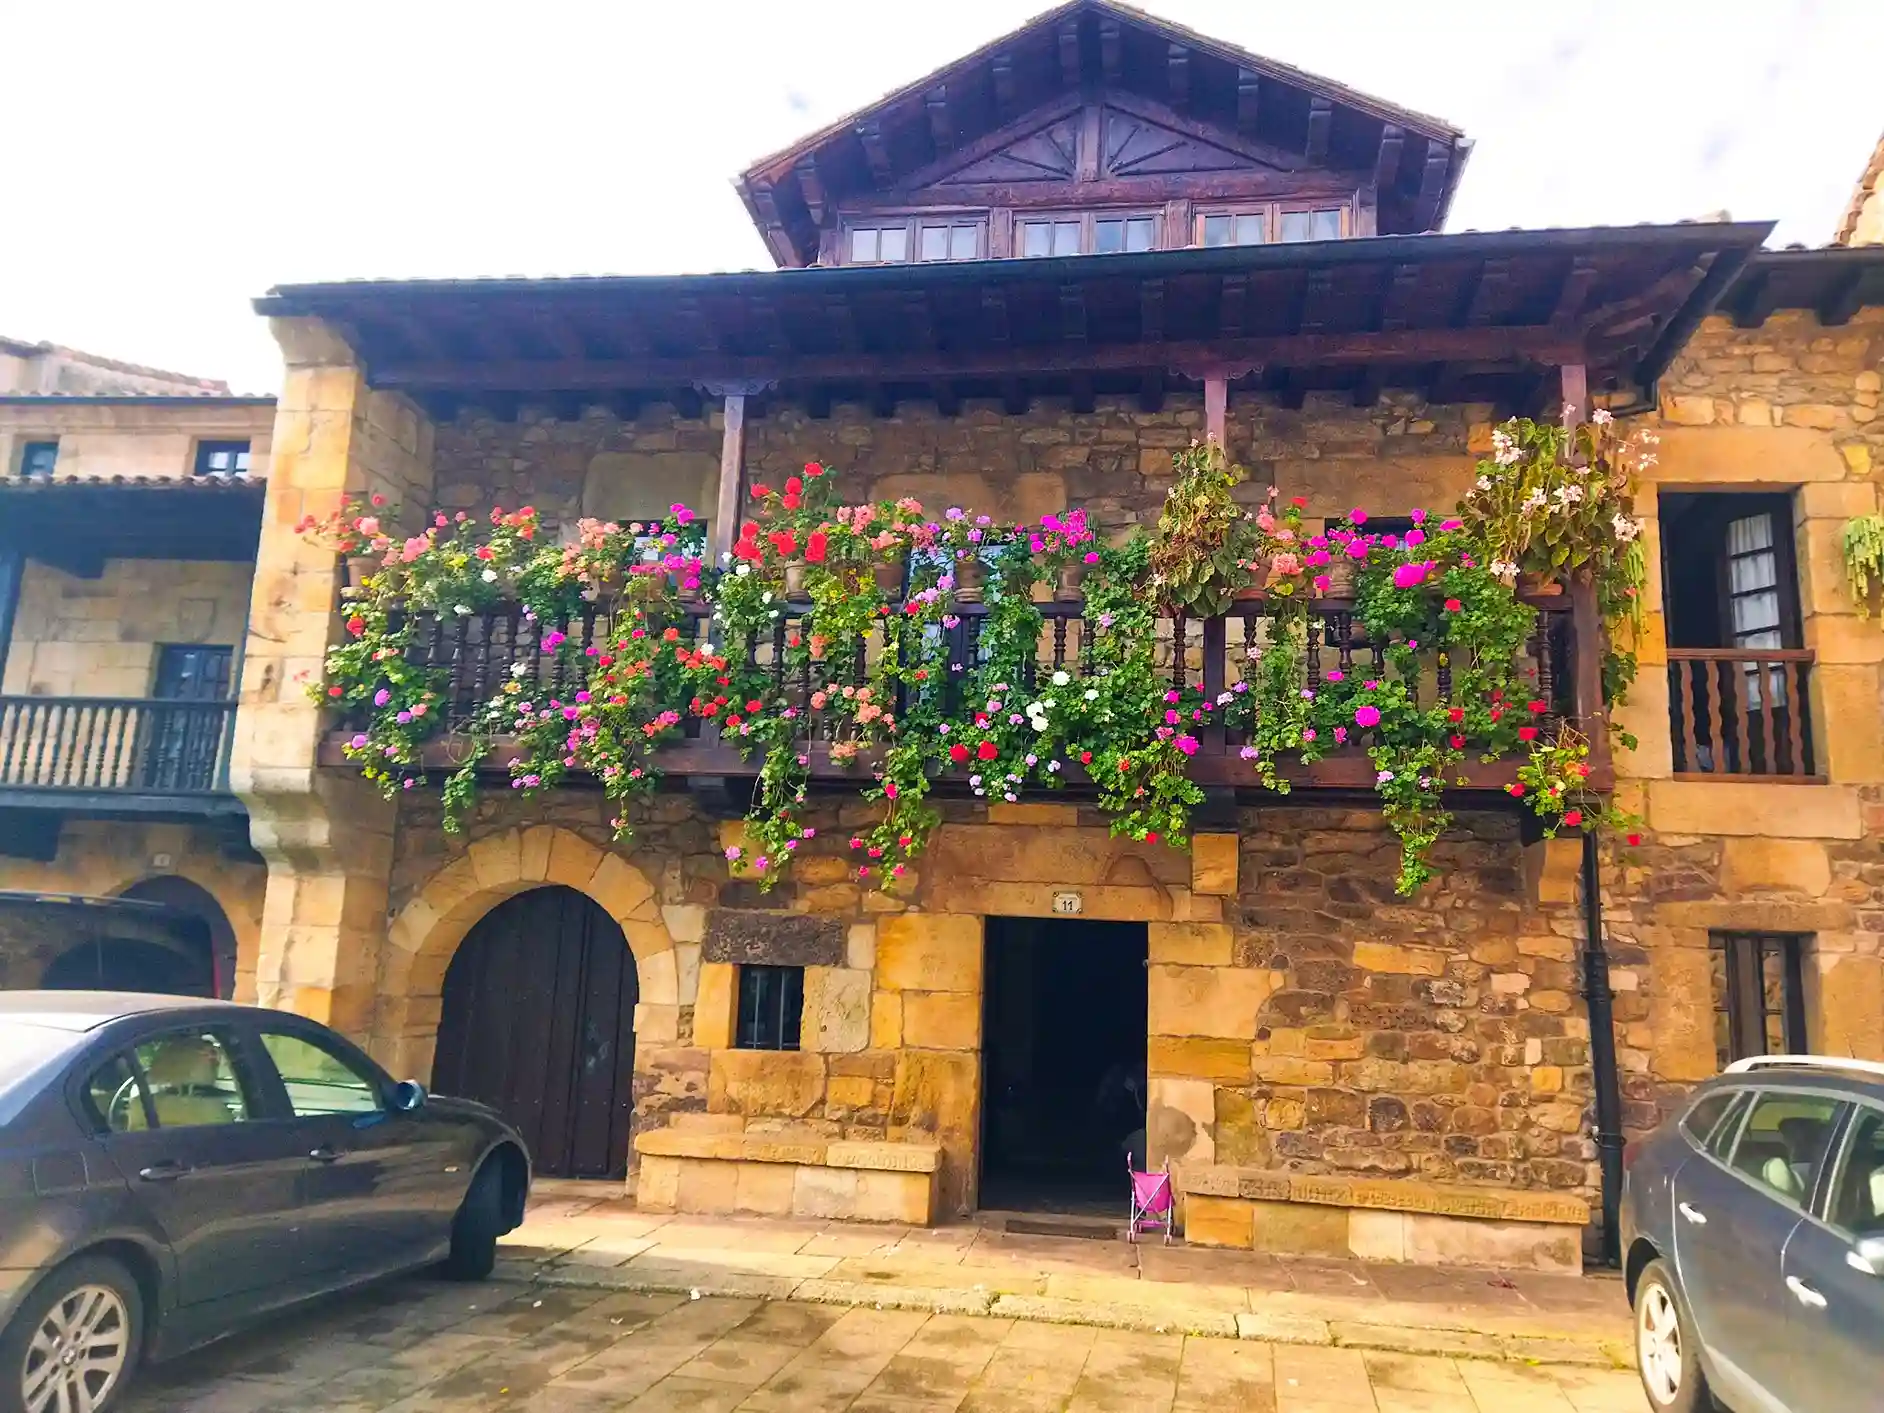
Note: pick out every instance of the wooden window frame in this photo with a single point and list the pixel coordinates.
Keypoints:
(1272, 213)
(1744, 958)
(207, 447)
(912, 224)
(769, 1023)
(1088, 218)
(1706, 518)
(34, 444)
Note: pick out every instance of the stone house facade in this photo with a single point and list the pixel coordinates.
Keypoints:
(1329, 1068)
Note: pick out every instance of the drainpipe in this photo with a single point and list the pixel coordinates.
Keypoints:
(1599, 998)
(12, 573)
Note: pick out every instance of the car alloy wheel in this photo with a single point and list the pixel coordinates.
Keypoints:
(1658, 1343)
(79, 1352)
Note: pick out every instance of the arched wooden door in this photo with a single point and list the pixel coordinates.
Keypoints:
(538, 1023)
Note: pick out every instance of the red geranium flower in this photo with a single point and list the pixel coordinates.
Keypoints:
(1299, 502)
(1573, 818)
(1453, 605)
(1458, 743)
(356, 625)
(814, 547)
(761, 492)
(754, 705)
(813, 469)
(794, 486)
(1456, 715)
(1085, 757)
(333, 691)
(1527, 733)
(1151, 836)
(1634, 839)
(987, 750)
(1514, 789)
(1536, 708)
(958, 753)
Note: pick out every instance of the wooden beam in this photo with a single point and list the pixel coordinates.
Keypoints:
(1842, 300)
(1111, 49)
(1757, 300)
(918, 322)
(1387, 163)
(876, 151)
(1232, 306)
(625, 405)
(818, 403)
(1177, 64)
(941, 121)
(994, 315)
(730, 500)
(1069, 51)
(1147, 191)
(1317, 304)
(1320, 125)
(1575, 386)
(563, 337)
(1294, 390)
(843, 321)
(1151, 311)
(688, 404)
(1489, 291)
(1073, 313)
(1151, 390)
(811, 186)
(882, 401)
(1216, 407)
(1529, 343)
(566, 407)
(1081, 390)
(948, 398)
(1433, 181)
(1006, 93)
(1372, 382)
(1574, 292)
(765, 202)
(1249, 93)
(1448, 383)
(1016, 398)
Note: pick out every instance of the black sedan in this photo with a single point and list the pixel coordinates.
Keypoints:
(172, 1169)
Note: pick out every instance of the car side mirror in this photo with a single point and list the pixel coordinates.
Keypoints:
(408, 1096)
(1867, 1256)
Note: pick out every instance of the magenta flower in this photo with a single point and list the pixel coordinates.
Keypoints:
(381, 697)
(1187, 744)
(1409, 576)
(1367, 716)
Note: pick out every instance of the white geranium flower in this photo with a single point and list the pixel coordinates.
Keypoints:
(1602, 417)
(1092, 694)
(743, 570)
(1039, 723)
(1060, 679)
(490, 576)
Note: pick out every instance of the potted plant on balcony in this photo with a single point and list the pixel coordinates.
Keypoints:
(1202, 544)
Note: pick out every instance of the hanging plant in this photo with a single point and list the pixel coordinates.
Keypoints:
(1863, 545)
(1200, 549)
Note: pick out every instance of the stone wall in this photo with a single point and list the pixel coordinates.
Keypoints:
(98, 637)
(132, 439)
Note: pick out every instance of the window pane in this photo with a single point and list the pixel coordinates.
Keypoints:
(1219, 230)
(771, 1000)
(863, 245)
(893, 244)
(935, 243)
(1036, 238)
(1108, 237)
(1720, 1143)
(964, 242)
(318, 1082)
(1784, 1142)
(1700, 1120)
(1296, 225)
(1857, 1202)
(1249, 230)
(1325, 225)
(192, 1081)
(112, 1096)
(1754, 532)
(1066, 237)
(1140, 232)
(38, 458)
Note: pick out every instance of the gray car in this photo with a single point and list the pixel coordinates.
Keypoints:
(172, 1169)
(1753, 1227)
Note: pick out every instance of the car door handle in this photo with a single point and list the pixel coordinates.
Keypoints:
(167, 1171)
(1807, 1296)
(1698, 1217)
(324, 1154)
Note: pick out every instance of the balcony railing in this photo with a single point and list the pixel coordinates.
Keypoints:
(1741, 713)
(133, 745)
(480, 652)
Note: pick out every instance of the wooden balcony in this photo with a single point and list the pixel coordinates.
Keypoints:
(481, 652)
(1742, 713)
(116, 755)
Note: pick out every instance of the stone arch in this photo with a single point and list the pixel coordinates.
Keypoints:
(425, 933)
(186, 895)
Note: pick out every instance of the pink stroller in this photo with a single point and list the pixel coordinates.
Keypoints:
(1152, 1203)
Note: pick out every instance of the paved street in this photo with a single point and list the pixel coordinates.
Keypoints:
(421, 1345)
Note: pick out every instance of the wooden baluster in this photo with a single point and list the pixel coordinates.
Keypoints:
(1797, 707)
(1316, 626)
(120, 738)
(1717, 735)
(1216, 651)
(804, 678)
(1445, 677)
(1379, 658)
(1251, 622)
(1543, 648)
(1690, 714)
(778, 654)
(1343, 628)
(1771, 675)
(51, 715)
(1059, 641)
(1742, 677)
(10, 713)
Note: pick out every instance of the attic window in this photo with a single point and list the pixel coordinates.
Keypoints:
(1232, 227)
(1087, 234)
(933, 238)
(879, 245)
(1323, 224)
(38, 458)
(222, 458)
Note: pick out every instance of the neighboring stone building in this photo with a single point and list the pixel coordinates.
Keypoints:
(128, 525)
(1863, 221)
(1330, 1068)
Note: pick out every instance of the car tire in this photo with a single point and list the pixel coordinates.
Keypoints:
(89, 1306)
(1666, 1350)
(480, 1221)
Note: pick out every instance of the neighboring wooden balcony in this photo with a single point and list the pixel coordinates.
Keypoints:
(133, 755)
(1742, 713)
(481, 652)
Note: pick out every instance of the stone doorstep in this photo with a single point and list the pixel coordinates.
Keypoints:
(1385, 1194)
(1454, 1341)
(808, 1150)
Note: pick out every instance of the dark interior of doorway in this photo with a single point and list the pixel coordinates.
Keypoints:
(1064, 1053)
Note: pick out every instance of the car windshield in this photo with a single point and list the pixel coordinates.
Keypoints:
(26, 1052)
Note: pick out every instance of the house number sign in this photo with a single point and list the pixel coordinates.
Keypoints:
(1067, 903)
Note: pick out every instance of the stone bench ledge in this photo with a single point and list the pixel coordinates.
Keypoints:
(809, 1150)
(1385, 1194)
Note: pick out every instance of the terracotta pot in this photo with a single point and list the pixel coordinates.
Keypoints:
(1540, 586)
(795, 573)
(971, 578)
(889, 576)
(1341, 574)
(1072, 576)
(361, 565)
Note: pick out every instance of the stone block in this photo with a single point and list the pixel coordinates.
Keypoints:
(860, 946)
(905, 1156)
(764, 1188)
(1180, 1121)
(1061, 816)
(707, 1186)
(657, 1184)
(686, 922)
(1392, 958)
(1433, 1240)
(715, 1008)
(1844, 709)
(773, 939)
(1205, 944)
(823, 1192)
(1752, 864)
(658, 979)
(1058, 857)
(906, 1197)
(533, 853)
(621, 888)
(1125, 902)
(942, 1020)
(1218, 1221)
(1219, 1001)
(938, 1093)
(886, 1020)
(1299, 1229)
(1788, 811)
(1288, 1070)
(1199, 1057)
(837, 1009)
(776, 1083)
(656, 1024)
(1377, 1236)
(1213, 864)
(929, 952)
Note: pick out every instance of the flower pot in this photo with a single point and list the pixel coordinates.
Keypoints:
(889, 576)
(1341, 574)
(1072, 576)
(971, 578)
(1541, 586)
(359, 566)
(795, 574)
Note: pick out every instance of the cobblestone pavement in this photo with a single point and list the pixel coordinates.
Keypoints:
(418, 1346)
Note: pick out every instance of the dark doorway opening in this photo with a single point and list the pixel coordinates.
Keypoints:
(1063, 1030)
(538, 1022)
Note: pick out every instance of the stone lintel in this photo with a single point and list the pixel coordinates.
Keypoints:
(774, 939)
(1386, 1194)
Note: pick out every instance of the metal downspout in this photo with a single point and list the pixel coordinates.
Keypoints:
(1598, 998)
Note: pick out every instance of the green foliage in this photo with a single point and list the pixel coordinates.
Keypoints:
(1864, 559)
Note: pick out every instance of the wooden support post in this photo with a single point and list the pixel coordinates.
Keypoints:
(1576, 395)
(12, 573)
(1587, 643)
(732, 491)
(1216, 407)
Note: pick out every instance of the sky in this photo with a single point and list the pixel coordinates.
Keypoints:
(168, 163)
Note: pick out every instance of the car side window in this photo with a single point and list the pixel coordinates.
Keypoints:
(319, 1081)
(1857, 1201)
(193, 1081)
(1699, 1122)
(1721, 1141)
(114, 1099)
(1785, 1140)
